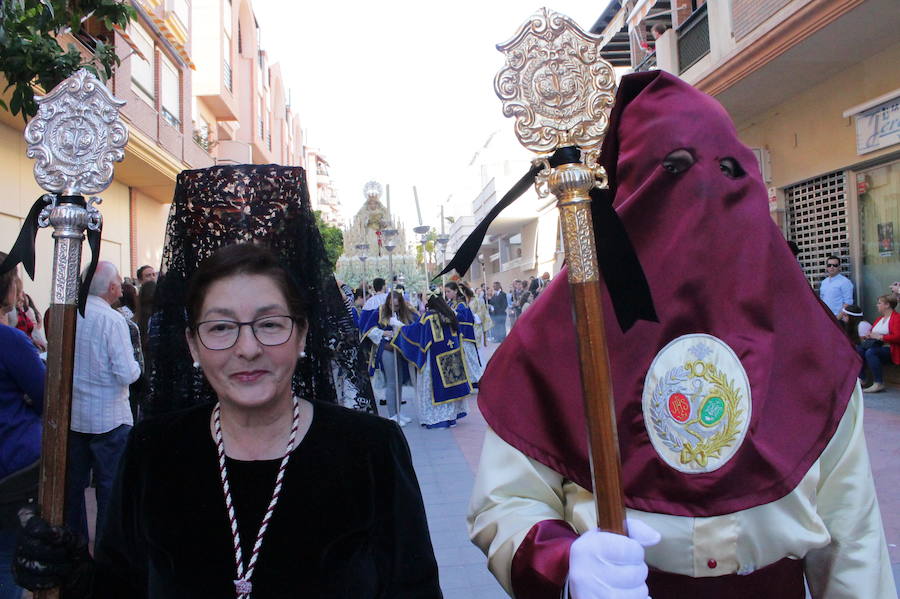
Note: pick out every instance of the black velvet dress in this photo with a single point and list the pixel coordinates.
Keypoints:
(350, 522)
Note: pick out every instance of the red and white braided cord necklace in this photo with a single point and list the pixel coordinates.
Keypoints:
(242, 584)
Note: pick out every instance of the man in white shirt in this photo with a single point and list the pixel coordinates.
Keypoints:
(101, 415)
(836, 290)
(378, 298)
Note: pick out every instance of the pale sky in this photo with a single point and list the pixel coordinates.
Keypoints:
(398, 91)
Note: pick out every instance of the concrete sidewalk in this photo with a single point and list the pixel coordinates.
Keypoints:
(445, 461)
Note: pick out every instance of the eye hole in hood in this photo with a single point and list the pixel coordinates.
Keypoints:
(731, 168)
(678, 161)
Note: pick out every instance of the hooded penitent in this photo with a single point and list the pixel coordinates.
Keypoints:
(727, 401)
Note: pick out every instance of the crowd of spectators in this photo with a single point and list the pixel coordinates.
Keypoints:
(110, 346)
(878, 343)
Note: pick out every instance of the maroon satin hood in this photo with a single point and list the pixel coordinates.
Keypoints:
(716, 264)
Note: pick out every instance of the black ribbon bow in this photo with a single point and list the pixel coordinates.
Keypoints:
(23, 250)
(622, 271)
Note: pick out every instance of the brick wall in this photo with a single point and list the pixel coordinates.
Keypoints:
(747, 15)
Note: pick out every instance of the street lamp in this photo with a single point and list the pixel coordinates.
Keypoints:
(423, 231)
(442, 240)
(390, 244)
(483, 273)
(363, 249)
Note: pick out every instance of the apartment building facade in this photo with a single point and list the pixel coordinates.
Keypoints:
(813, 88)
(524, 239)
(199, 90)
(323, 195)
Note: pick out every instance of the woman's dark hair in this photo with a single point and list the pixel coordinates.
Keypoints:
(129, 296)
(455, 287)
(7, 281)
(437, 303)
(889, 299)
(242, 259)
(387, 308)
(467, 291)
(851, 325)
(146, 295)
(29, 303)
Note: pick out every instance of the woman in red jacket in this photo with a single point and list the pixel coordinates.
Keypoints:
(887, 331)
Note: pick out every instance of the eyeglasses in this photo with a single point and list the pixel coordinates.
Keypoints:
(833, 265)
(223, 334)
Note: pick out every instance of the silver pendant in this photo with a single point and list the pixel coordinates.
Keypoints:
(243, 587)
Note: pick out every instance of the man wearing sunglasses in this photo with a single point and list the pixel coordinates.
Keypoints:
(836, 290)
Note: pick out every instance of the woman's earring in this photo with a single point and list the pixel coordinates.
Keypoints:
(196, 364)
(302, 354)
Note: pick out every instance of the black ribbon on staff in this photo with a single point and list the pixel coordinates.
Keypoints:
(23, 250)
(622, 271)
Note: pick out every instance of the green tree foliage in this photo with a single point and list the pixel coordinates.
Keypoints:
(30, 53)
(333, 239)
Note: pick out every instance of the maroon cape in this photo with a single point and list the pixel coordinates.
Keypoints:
(716, 264)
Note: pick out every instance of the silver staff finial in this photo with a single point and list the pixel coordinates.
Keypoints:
(76, 136)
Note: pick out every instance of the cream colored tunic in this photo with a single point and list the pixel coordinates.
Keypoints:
(831, 520)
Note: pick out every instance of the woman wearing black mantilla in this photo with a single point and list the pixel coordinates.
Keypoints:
(263, 494)
(250, 481)
(263, 205)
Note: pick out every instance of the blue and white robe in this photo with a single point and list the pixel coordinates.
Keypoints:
(444, 378)
(466, 319)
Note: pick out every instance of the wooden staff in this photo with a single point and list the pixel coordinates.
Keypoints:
(69, 217)
(560, 91)
(571, 183)
(75, 137)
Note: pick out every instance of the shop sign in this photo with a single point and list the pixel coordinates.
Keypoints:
(878, 127)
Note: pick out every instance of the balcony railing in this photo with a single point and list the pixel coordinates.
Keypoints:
(693, 39)
(485, 200)
(648, 64)
(522, 262)
(171, 118)
(226, 75)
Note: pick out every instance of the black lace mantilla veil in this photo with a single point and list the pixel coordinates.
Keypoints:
(266, 205)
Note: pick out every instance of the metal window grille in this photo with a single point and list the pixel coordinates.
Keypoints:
(693, 39)
(817, 222)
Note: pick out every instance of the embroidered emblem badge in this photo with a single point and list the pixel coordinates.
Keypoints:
(696, 403)
(451, 368)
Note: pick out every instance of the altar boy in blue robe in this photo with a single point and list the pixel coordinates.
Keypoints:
(434, 344)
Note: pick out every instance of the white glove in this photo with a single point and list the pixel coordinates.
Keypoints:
(603, 565)
(396, 322)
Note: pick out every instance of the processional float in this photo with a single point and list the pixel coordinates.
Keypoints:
(75, 138)
(560, 92)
